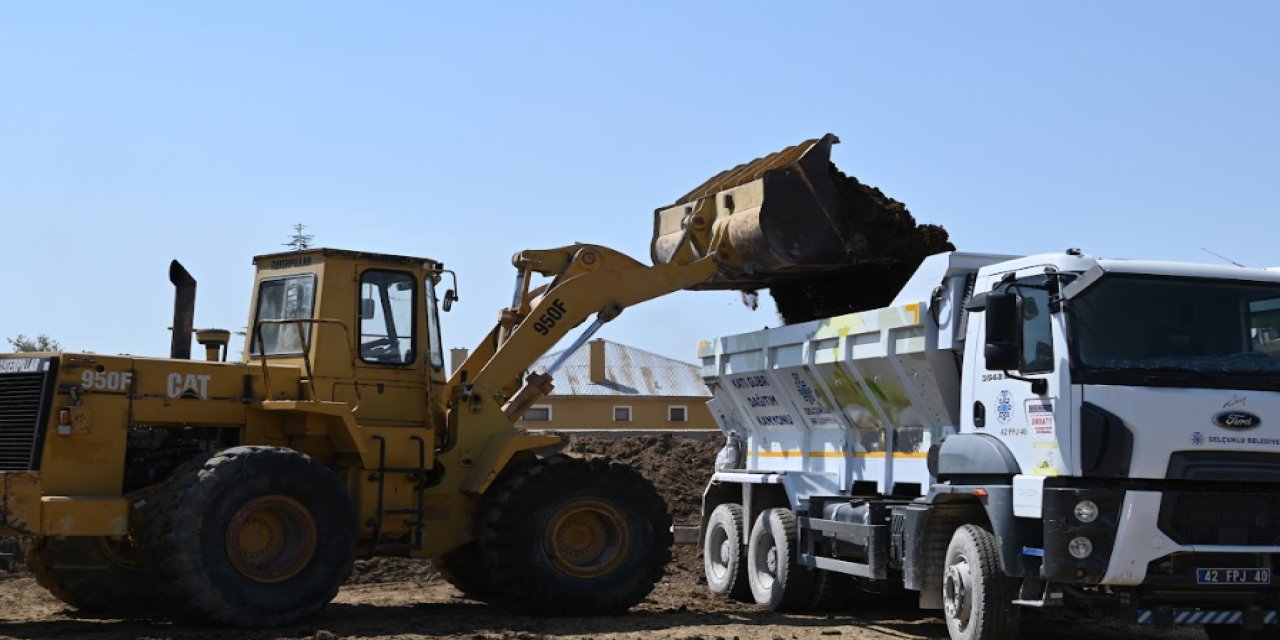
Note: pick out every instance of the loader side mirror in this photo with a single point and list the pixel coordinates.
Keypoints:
(366, 308)
(450, 297)
(1004, 330)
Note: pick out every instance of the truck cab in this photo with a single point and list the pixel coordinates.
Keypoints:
(1046, 430)
(1141, 401)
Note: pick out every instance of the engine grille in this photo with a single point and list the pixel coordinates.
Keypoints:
(1222, 518)
(21, 417)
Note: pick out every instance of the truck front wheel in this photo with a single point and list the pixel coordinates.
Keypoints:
(254, 536)
(722, 560)
(976, 596)
(777, 579)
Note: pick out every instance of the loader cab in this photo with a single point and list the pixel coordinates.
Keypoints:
(363, 327)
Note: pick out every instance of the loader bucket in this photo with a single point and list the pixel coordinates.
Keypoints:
(784, 216)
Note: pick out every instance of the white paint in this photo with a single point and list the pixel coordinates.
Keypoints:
(1028, 496)
(191, 385)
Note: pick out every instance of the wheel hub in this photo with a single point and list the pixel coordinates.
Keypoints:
(587, 538)
(271, 539)
(957, 598)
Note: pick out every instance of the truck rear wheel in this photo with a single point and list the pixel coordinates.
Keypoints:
(722, 554)
(96, 575)
(777, 580)
(976, 596)
(575, 537)
(255, 536)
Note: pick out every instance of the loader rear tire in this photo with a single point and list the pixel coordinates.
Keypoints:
(95, 575)
(567, 536)
(254, 536)
(463, 569)
(778, 581)
(724, 559)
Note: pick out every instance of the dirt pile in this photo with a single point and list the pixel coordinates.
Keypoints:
(679, 466)
(894, 245)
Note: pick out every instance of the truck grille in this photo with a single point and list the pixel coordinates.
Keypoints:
(22, 406)
(1251, 519)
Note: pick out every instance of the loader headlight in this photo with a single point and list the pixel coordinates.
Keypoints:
(1080, 547)
(1086, 511)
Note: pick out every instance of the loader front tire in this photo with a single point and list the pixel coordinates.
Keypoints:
(255, 536)
(567, 536)
(723, 558)
(95, 575)
(778, 581)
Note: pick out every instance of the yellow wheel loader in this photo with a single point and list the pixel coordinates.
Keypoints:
(242, 492)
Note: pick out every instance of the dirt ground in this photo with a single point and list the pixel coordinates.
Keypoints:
(392, 599)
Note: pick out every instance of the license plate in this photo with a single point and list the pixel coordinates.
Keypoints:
(1233, 576)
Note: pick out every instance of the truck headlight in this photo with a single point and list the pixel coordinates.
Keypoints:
(1086, 511)
(1080, 547)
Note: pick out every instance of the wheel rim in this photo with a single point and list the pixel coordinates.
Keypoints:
(271, 539)
(957, 596)
(587, 538)
(718, 549)
(766, 557)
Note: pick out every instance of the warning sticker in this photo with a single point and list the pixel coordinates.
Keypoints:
(1040, 418)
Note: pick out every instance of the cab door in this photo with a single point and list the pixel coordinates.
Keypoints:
(1036, 427)
(390, 354)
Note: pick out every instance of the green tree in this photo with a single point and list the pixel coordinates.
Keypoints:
(23, 344)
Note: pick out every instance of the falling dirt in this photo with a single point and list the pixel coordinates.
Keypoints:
(894, 246)
(397, 599)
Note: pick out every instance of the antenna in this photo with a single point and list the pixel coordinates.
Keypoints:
(1219, 255)
(299, 241)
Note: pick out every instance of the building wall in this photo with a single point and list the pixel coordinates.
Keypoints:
(596, 412)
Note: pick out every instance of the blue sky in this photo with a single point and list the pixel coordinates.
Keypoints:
(134, 133)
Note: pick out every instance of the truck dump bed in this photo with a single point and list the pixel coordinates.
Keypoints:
(856, 397)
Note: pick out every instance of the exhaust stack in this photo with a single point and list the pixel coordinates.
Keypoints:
(184, 311)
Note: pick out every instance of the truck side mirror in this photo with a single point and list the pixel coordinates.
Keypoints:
(1004, 330)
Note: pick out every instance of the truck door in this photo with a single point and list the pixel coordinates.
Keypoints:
(1035, 426)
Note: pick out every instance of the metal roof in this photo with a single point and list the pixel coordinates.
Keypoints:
(630, 372)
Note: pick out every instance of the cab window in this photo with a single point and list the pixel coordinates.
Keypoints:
(1037, 326)
(287, 298)
(387, 302)
(433, 326)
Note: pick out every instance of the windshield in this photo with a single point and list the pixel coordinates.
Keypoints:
(287, 298)
(1194, 332)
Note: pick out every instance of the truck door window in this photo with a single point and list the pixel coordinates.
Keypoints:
(287, 298)
(387, 300)
(1037, 326)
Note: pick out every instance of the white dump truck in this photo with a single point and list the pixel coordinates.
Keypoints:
(1051, 430)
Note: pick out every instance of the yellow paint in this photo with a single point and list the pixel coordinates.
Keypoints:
(914, 310)
(794, 453)
(66, 516)
(897, 454)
